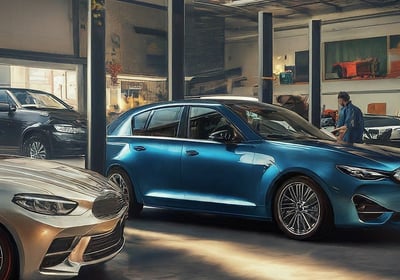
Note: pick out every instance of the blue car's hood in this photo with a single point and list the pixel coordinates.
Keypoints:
(367, 154)
(372, 152)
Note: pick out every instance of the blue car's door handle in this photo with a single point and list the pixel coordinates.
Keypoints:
(192, 153)
(139, 148)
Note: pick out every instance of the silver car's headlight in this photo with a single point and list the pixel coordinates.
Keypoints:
(67, 128)
(362, 173)
(45, 204)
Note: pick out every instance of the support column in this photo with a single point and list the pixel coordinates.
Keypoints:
(315, 72)
(96, 152)
(176, 49)
(265, 49)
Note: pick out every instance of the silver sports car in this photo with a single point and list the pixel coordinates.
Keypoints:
(55, 219)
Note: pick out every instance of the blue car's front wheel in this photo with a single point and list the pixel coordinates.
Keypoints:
(301, 209)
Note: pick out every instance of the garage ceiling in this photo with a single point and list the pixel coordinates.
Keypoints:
(242, 15)
(293, 9)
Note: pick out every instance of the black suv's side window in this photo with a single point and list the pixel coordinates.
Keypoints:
(164, 122)
(3, 96)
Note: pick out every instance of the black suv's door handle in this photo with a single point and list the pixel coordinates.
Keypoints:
(139, 148)
(192, 153)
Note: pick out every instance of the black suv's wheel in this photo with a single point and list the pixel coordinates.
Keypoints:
(301, 209)
(36, 146)
(122, 180)
(8, 263)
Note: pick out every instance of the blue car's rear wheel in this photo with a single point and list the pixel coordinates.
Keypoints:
(8, 263)
(122, 180)
(301, 209)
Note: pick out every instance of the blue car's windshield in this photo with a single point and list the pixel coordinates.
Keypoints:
(277, 123)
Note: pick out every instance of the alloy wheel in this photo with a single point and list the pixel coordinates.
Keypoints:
(37, 150)
(8, 261)
(299, 208)
(119, 180)
(1, 258)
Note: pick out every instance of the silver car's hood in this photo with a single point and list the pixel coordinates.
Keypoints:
(50, 177)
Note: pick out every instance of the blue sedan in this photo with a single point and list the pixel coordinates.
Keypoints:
(250, 159)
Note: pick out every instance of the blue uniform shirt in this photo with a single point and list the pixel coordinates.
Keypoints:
(351, 116)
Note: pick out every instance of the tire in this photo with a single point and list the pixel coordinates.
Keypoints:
(302, 210)
(8, 260)
(36, 146)
(122, 180)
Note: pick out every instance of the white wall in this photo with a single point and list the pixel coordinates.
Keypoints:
(286, 43)
(39, 25)
(121, 19)
(244, 55)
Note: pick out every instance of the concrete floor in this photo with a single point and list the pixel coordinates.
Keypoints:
(164, 244)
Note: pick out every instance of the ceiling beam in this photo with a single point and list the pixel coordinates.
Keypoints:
(337, 7)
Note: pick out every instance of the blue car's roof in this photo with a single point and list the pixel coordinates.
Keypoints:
(191, 101)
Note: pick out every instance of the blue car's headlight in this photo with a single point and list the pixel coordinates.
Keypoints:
(45, 204)
(67, 128)
(363, 173)
(396, 175)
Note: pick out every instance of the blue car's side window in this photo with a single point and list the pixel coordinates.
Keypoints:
(164, 122)
(139, 123)
(132, 125)
(203, 122)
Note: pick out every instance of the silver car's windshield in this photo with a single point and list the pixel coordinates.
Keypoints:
(277, 123)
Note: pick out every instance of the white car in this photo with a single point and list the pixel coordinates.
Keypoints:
(382, 130)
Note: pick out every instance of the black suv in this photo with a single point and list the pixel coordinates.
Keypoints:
(39, 125)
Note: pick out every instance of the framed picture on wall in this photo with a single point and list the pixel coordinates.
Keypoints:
(394, 56)
(357, 59)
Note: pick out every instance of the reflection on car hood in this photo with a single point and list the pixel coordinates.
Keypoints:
(373, 152)
(383, 154)
(66, 116)
(51, 177)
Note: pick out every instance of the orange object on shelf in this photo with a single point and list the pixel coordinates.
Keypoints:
(377, 108)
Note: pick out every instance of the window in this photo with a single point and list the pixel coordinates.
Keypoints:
(276, 123)
(139, 122)
(165, 122)
(3, 96)
(132, 125)
(204, 121)
(370, 121)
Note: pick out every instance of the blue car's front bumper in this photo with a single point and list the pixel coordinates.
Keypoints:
(368, 204)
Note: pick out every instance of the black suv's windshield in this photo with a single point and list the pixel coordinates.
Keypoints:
(277, 123)
(40, 100)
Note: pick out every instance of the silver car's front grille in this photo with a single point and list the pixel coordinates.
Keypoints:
(99, 247)
(58, 251)
(109, 205)
(104, 245)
